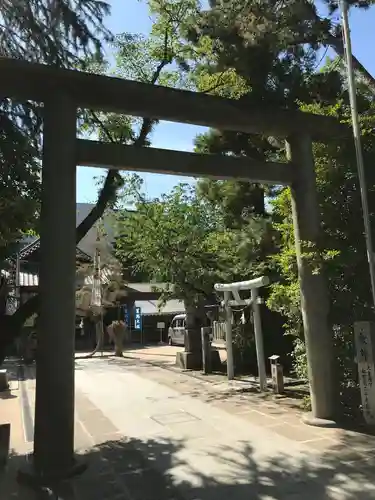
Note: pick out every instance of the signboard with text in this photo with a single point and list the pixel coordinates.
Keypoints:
(364, 343)
(126, 315)
(138, 319)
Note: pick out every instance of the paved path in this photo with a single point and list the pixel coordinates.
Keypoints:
(207, 452)
(151, 433)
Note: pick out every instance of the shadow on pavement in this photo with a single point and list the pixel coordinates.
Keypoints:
(7, 394)
(157, 469)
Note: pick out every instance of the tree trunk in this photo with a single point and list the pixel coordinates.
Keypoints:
(13, 325)
(99, 335)
(119, 348)
(117, 333)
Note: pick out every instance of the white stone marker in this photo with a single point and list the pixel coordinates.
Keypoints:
(364, 335)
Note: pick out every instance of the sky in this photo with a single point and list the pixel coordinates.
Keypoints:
(132, 16)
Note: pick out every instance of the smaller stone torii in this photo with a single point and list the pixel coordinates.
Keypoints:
(65, 91)
(233, 289)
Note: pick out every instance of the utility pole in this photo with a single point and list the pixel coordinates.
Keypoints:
(357, 141)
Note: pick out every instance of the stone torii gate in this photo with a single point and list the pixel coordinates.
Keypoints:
(63, 92)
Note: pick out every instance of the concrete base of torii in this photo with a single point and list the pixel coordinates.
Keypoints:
(193, 360)
(189, 360)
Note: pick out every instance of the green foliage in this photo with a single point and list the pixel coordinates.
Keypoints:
(333, 5)
(62, 34)
(19, 187)
(273, 49)
(58, 33)
(300, 359)
(342, 252)
(235, 200)
(272, 54)
(171, 20)
(269, 56)
(182, 241)
(144, 59)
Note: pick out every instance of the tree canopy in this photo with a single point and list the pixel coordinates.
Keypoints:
(136, 57)
(62, 34)
(176, 239)
(262, 53)
(271, 53)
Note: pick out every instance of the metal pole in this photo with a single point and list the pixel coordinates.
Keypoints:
(259, 341)
(357, 142)
(228, 336)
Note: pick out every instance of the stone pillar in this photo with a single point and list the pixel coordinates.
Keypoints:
(191, 357)
(54, 407)
(314, 293)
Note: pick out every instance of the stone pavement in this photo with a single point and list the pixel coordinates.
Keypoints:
(151, 433)
(209, 452)
(117, 469)
(10, 411)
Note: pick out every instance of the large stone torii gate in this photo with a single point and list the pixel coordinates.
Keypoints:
(62, 92)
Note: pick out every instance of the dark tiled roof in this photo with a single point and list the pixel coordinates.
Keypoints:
(86, 247)
(151, 307)
(35, 245)
(84, 252)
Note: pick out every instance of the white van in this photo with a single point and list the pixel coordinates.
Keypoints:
(176, 331)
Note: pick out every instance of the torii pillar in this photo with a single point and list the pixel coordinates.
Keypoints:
(314, 292)
(54, 406)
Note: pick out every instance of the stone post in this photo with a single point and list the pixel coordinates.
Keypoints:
(206, 350)
(191, 358)
(364, 336)
(314, 293)
(54, 407)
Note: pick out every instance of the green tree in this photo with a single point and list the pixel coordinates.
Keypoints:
(61, 34)
(100, 286)
(138, 58)
(266, 70)
(151, 60)
(263, 26)
(342, 252)
(237, 55)
(56, 33)
(180, 240)
(271, 51)
(19, 187)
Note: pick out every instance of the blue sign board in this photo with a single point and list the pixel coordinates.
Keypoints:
(127, 315)
(138, 319)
